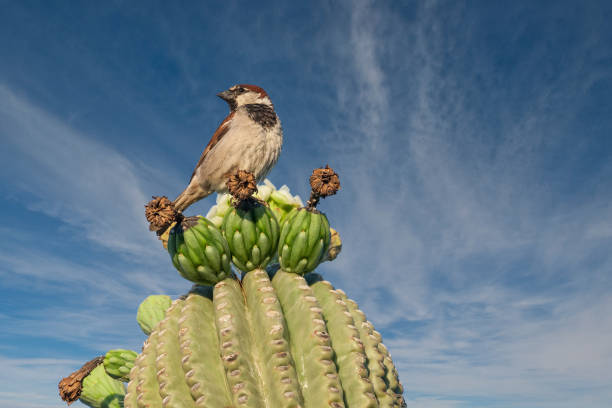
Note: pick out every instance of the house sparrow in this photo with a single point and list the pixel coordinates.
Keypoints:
(249, 138)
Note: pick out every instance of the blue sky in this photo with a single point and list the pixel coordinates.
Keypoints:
(473, 140)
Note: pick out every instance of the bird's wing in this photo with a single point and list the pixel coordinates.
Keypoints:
(216, 137)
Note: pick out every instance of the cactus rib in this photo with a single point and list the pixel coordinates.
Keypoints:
(309, 340)
(235, 340)
(199, 346)
(173, 387)
(271, 344)
(146, 380)
(130, 400)
(349, 350)
(382, 372)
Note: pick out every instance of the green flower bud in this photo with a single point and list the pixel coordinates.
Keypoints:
(101, 391)
(252, 234)
(151, 311)
(119, 362)
(304, 240)
(199, 252)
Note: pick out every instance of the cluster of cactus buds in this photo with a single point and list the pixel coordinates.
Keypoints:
(275, 337)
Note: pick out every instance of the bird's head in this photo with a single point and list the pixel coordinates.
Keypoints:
(239, 95)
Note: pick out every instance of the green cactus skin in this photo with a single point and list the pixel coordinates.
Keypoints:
(272, 347)
(310, 343)
(236, 344)
(252, 235)
(392, 378)
(131, 397)
(119, 362)
(383, 374)
(151, 311)
(304, 240)
(147, 386)
(173, 387)
(101, 391)
(199, 253)
(204, 370)
(261, 343)
(348, 347)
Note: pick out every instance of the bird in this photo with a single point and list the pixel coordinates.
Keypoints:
(250, 138)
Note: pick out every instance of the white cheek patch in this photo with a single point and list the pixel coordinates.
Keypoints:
(251, 97)
(245, 98)
(264, 100)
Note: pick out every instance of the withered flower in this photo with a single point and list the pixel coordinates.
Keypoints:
(70, 387)
(324, 182)
(241, 185)
(160, 213)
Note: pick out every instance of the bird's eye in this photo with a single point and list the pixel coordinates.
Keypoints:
(241, 90)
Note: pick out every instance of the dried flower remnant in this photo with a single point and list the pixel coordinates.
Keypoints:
(161, 214)
(241, 185)
(70, 387)
(324, 182)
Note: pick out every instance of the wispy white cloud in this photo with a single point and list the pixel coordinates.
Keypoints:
(92, 305)
(118, 282)
(76, 179)
(90, 296)
(98, 193)
(33, 381)
(432, 402)
(484, 280)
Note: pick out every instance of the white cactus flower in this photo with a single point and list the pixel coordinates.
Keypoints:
(264, 190)
(280, 201)
(218, 211)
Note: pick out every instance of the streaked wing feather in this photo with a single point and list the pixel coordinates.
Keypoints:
(219, 133)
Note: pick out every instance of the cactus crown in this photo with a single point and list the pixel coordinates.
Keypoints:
(270, 339)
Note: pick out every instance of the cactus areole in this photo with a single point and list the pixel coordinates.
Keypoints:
(279, 337)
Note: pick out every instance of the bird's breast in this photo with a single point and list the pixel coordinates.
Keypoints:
(258, 146)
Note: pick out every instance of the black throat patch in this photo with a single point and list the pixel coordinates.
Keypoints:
(262, 114)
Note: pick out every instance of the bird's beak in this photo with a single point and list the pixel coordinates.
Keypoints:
(227, 96)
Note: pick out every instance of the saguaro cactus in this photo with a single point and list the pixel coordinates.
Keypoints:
(276, 337)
